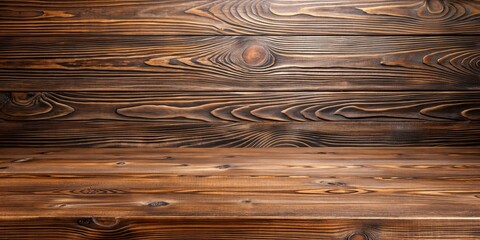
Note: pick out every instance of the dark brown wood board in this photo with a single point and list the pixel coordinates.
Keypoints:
(98, 133)
(240, 17)
(235, 63)
(309, 193)
(233, 107)
(76, 228)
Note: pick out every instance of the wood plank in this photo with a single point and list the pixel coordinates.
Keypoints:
(242, 106)
(239, 63)
(267, 195)
(239, 17)
(233, 228)
(254, 185)
(308, 193)
(344, 161)
(260, 135)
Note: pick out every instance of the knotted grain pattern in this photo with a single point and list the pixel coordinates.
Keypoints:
(260, 135)
(240, 17)
(250, 63)
(242, 106)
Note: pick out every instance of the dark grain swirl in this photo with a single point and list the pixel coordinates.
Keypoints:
(240, 17)
(244, 106)
(32, 106)
(259, 135)
(286, 63)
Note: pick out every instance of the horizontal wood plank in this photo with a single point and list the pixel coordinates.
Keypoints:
(344, 161)
(239, 63)
(261, 135)
(242, 106)
(297, 183)
(309, 193)
(240, 17)
(267, 195)
(139, 228)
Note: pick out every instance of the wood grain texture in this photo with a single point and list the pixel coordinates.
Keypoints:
(240, 17)
(139, 228)
(404, 162)
(312, 183)
(248, 63)
(285, 193)
(289, 134)
(241, 106)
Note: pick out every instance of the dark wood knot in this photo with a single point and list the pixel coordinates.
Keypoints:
(255, 55)
(225, 166)
(84, 221)
(104, 222)
(158, 204)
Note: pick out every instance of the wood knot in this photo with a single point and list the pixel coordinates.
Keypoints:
(435, 6)
(158, 204)
(31, 106)
(358, 236)
(24, 98)
(255, 55)
(225, 166)
(331, 183)
(84, 221)
(105, 221)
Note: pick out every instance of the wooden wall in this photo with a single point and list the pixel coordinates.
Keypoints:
(239, 73)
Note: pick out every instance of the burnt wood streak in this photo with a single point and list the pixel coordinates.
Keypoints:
(259, 135)
(241, 106)
(249, 63)
(308, 193)
(240, 17)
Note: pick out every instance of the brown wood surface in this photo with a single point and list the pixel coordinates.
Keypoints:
(240, 17)
(390, 91)
(249, 63)
(241, 106)
(307, 193)
(259, 135)
(236, 228)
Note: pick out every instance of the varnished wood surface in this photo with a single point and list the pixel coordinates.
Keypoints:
(241, 106)
(307, 193)
(258, 135)
(240, 17)
(249, 63)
